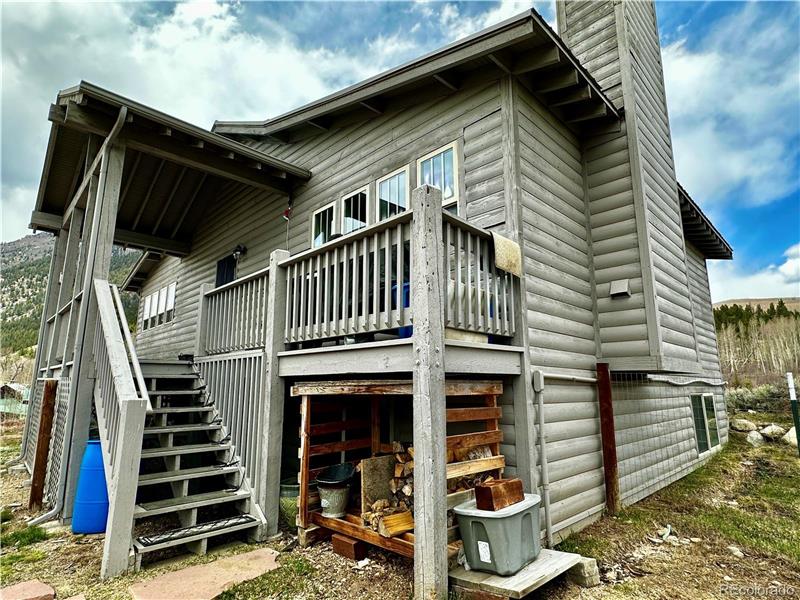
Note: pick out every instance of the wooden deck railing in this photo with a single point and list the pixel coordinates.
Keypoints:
(234, 315)
(361, 283)
(121, 402)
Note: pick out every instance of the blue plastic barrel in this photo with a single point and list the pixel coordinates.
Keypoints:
(91, 500)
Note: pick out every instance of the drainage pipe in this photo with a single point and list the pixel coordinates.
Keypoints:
(538, 390)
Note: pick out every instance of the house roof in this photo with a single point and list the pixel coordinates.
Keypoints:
(171, 170)
(141, 270)
(524, 45)
(700, 231)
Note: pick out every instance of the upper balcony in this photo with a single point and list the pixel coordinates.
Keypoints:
(347, 306)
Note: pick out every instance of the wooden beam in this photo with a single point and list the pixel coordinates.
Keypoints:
(534, 60)
(456, 415)
(558, 80)
(317, 125)
(608, 435)
(445, 82)
(168, 203)
(189, 205)
(500, 62)
(569, 96)
(170, 149)
(151, 242)
(131, 177)
(470, 440)
(429, 421)
(39, 471)
(586, 112)
(146, 199)
(45, 221)
(372, 105)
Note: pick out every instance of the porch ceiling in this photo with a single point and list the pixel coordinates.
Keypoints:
(171, 175)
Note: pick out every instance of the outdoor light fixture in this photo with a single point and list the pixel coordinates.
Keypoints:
(240, 250)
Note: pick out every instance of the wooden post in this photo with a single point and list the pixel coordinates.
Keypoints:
(268, 486)
(47, 410)
(202, 320)
(98, 264)
(608, 435)
(427, 310)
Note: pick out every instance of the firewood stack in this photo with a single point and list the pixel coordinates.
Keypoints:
(402, 485)
(388, 520)
(460, 484)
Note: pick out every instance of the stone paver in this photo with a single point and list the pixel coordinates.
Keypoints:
(204, 582)
(28, 590)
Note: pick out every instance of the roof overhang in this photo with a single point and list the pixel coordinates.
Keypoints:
(523, 45)
(171, 172)
(141, 270)
(698, 229)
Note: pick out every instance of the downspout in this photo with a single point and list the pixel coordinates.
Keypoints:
(538, 390)
(70, 420)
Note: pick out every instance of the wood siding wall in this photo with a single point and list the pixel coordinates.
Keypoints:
(705, 330)
(555, 241)
(589, 29)
(659, 185)
(655, 434)
(616, 253)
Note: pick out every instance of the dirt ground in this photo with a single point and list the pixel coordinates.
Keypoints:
(744, 497)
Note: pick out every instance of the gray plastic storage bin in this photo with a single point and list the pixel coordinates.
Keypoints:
(501, 541)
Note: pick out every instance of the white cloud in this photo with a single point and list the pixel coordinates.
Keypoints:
(733, 104)
(729, 282)
(456, 25)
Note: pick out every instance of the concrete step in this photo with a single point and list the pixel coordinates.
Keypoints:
(155, 429)
(194, 533)
(170, 505)
(185, 474)
(185, 449)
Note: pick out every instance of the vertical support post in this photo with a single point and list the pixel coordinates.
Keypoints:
(429, 422)
(795, 409)
(608, 435)
(47, 410)
(523, 394)
(268, 485)
(98, 265)
(202, 320)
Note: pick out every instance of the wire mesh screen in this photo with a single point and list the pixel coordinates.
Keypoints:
(665, 425)
(34, 414)
(54, 459)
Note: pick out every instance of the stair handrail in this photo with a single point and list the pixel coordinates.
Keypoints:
(121, 410)
(131, 349)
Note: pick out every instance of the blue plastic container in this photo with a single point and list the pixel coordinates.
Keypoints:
(408, 330)
(91, 500)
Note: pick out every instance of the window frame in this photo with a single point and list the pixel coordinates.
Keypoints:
(377, 205)
(456, 171)
(152, 314)
(334, 222)
(703, 397)
(342, 198)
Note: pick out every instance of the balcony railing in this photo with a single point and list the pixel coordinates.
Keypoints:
(360, 283)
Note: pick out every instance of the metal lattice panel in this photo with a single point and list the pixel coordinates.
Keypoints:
(34, 413)
(57, 443)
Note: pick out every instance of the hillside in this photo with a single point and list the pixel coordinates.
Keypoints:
(791, 303)
(24, 265)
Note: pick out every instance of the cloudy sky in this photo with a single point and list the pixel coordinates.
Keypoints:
(732, 73)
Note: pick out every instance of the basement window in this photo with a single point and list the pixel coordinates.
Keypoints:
(159, 307)
(440, 170)
(705, 422)
(354, 211)
(322, 225)
(392, 194)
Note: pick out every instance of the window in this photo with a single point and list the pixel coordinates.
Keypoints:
(159, 307)
(392, 194)
(354, 211)
(705, 422)
(226, 270)
(440, 169)
(322, 224)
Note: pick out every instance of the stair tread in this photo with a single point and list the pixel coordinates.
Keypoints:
(193, 473)
(194, 392)
(182, 428)
(181, 409)
(185, 449)
(171, 376)
(212, 528)
(159, 507)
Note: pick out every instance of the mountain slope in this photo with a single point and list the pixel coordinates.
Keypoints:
(24, 265)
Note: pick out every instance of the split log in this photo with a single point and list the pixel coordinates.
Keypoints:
(408, 468)
(396, 524)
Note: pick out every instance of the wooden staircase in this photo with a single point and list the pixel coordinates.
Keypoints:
(191, 485)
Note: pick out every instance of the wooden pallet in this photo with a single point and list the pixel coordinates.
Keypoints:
(340, 408)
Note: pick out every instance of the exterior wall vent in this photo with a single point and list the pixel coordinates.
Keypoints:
(620, 288)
